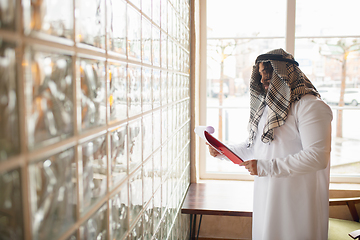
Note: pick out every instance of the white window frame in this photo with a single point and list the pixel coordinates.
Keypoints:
(290, 47)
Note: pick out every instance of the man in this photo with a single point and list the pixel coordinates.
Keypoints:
(288, 151)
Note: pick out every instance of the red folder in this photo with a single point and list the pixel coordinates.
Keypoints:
(221, 148)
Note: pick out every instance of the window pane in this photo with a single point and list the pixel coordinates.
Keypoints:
(236, 18)
(323, 61)
(232, 109)
(327, 18)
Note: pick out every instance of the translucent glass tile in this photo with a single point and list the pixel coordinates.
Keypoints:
(116, 29)
(156, 46)
(156, 88)
(96, 226)
(146, 8)
(50, 17)
(170, 121)
(157, 169)
(175, 57)
(119, 164)
(117, 75)
(53, 194)
(94, 172)
(164, 160)
(148, 178)
(134, 90)
(148, 221)
(157, 209)
(49, 97)
(156, 11)
(11, 214)
(9, 120)
(164, 198)
(170, 53)
(171, 16)
(147, 89)
(135, 195)
(7, 17)
(135, 144)
(164, 124)
(157, 129)
(137, 233)
(169, 84)
(92, 95)
(134, 33)
(147, 135)
(119, 217)
(164, 54)
(90, 22)
(164, 87)
(164, 11)
(146, 41)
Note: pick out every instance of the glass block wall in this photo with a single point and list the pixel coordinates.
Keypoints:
(94, 119)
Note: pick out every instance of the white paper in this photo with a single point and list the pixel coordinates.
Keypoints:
(199, 130)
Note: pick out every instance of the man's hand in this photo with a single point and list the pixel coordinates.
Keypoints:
(251, 166)
(212, 151)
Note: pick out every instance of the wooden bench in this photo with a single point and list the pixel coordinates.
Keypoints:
(223, 198)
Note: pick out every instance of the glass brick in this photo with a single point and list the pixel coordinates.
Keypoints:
(92, 96)
(137, 231)
(50, 17)
(135, 144)
(90, 22)
(156, 46)
(119, 217)
(134, 90)
(96, 226)
(134, 33)
(164, 17)
(164, 52)
(117, 91)
(164, 86)
(146, 41)
(148, 136)
(157, 129)
(94, 172)
(156, 89)
(53, 194)
(156, 12)
(9, 120)
(157, 169)
(135, 195)
(146, 8)
(11, 211)
(7, 17)
(157, 209)
(146, 89)
(49, 97)
(116, 30)
(119, 164)
(148, 178)
(148, 221)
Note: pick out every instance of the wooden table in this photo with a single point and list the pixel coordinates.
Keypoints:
(225, 198)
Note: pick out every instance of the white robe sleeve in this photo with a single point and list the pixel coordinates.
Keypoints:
(242, 151)
(314, 126)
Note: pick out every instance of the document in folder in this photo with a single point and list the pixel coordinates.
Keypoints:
(221, 148)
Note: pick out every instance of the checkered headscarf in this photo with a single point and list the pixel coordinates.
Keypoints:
(287, 85)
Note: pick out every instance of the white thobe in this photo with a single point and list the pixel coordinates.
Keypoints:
(291, 191)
